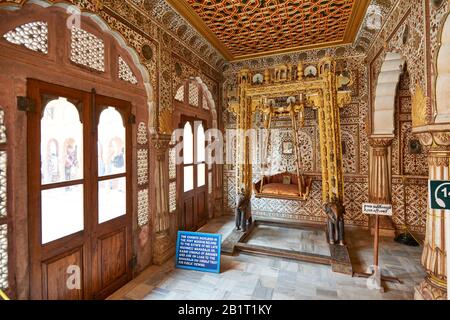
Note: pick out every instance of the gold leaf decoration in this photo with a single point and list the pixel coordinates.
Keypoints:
(419, 108)
(165, 122)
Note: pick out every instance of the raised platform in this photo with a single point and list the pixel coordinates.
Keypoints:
(238, 241)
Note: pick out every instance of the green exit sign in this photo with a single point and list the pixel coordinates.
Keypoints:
(439, 192)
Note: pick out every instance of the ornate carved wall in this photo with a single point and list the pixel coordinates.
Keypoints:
(354, 134)
(409, 195)
(401, 29)
(412, 29)
(403, 32)
(180, 52)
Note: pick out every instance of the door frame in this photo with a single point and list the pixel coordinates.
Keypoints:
(84, 239)
(110, 227)
(197, 224)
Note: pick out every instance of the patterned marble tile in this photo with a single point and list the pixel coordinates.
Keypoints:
(290, 239)
(253, 277)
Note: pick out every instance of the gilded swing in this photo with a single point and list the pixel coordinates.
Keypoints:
(285, 185)
(325, 90)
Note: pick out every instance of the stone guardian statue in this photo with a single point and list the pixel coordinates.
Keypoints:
(243, 211)
(335, 225)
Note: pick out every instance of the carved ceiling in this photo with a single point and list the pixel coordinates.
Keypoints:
(193, 32)
(246, 29)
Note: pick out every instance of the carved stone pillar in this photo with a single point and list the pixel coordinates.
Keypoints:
(380, 179)
(163, 245)
(434, 256)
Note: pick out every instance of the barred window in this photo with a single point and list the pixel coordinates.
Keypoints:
(193, 94)
(125, 72)
(87, 50)
(172, 177)
(33, 36)
(179, 96)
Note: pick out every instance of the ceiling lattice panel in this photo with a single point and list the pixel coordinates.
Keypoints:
(254, 27)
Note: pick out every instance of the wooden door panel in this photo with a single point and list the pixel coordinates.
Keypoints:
(194, 202)
(62, 246)
(101, 251)
(201, 209)
(113, 257)
(60, 277)
(188, 214)
(49, 262)
(112, 238)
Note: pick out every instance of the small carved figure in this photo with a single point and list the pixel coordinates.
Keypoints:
(335, 225)
(243, 211)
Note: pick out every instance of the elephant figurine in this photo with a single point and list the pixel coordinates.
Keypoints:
(335, 226)
(243, 211)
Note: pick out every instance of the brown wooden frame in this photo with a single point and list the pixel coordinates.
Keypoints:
(184, 112)
(84, 240)
(195, 164)
(110, 227)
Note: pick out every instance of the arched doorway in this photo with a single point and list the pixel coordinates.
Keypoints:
(383, 133)
(79, 213)
(191, 180)
(386, 89)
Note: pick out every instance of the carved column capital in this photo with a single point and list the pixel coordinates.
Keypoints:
(436, 136)
(380, 141)
(161, 143)
(428, 290)
(439, 160)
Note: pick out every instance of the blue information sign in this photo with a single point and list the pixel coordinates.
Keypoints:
(198, 251)
(439, 194)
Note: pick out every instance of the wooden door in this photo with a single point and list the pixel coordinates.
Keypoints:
(193, 179)
(78, 249)
(111, 232)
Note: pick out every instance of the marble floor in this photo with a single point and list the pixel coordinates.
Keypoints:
(309, 241)
(252, 277)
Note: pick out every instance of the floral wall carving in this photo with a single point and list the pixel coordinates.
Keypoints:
(409, 196)
(438, 16)
(403, 32)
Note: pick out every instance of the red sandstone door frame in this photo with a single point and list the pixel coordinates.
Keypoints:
(99, 255)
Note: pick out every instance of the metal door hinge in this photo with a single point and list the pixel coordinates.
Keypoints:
(26, 104)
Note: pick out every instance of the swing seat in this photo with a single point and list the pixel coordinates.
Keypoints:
(283, 186)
